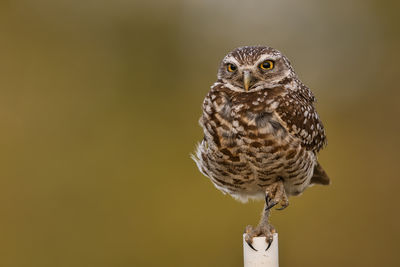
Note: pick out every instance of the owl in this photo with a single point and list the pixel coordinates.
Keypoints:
(261, 133)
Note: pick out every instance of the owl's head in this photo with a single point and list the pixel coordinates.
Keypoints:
(252, 68)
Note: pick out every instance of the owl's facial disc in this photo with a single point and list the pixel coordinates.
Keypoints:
(239, 78)
(248, 69)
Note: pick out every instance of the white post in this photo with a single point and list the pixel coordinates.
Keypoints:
(261, 258)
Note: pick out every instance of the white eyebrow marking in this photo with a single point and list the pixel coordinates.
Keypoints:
(231, 59)
(264, 57)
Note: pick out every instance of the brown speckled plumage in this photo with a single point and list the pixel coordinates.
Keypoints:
(262, 136)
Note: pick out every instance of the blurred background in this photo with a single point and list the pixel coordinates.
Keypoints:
(99, 103)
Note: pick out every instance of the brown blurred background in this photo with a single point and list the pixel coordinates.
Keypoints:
(99, 103)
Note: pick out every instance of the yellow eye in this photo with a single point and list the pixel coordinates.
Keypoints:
(267, 65)
(231, 67)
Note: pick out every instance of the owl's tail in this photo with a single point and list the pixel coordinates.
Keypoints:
(320, 176)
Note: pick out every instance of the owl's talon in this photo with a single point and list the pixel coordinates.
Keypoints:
(261, 230)
(283, 206)
(271, 205)
(276, 192)
(269, 244)
(267, 199)
(250, 234)
(250, 245)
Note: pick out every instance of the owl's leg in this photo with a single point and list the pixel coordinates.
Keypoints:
(263, 228)
(274, 194)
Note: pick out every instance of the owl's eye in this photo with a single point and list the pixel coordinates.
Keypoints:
(231, 67)
(267, 65)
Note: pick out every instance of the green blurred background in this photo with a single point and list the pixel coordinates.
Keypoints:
(99, 103)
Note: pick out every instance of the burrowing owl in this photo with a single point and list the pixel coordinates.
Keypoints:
(261, 132)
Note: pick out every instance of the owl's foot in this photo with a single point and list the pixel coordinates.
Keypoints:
(275, 194)
(266, 230)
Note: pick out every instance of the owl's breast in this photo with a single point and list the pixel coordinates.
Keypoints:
(246, 146)
(233, 118)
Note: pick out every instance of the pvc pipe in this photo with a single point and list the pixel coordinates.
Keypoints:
(261, 258)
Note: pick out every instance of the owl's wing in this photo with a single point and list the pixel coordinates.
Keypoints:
(320, 176)
(298, 112)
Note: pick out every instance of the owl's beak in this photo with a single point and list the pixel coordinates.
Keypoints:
(246, 80)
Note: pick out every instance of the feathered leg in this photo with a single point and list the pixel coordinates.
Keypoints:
(274, 194)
